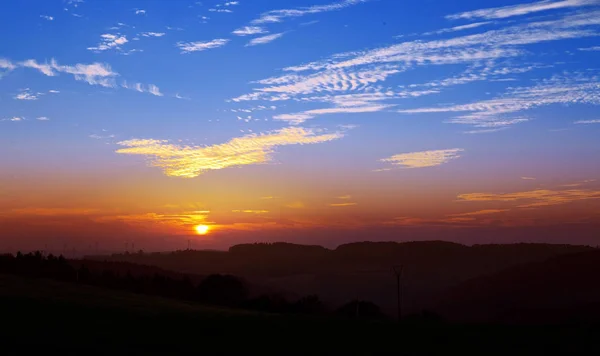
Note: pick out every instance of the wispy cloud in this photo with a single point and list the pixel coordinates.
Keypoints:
(251, 211)
(14, 119)
(109, 41)
(493, 44)
(424, 158)
(188, 162)
(521, 9)
(493, 113)
(589, 49)
(265, 39)
(457, 28)
(140, 12)
(534, 198)
(342, 204)
(178, 96)
(26, 94)
(353, 81)
(528, 178)
(93, 74)
(301, 117)
(154, 90)
(280, 15)
(332, 81)
(42, 118)
(249, 30)
(6, 64)
(46, 17)
(481, 212)
(139, 87)
(152, 34)
(220, 10)
(587, 122)
(188, 47)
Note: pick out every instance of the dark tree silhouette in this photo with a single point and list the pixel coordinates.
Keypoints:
(359, 309)
(224, 290)
(310, 304)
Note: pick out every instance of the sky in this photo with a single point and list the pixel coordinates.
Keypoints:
(128, 124)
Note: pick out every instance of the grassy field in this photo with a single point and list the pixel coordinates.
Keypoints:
(48, 316)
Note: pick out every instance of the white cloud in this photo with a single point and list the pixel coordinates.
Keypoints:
(140, 12)
(220, 10)
(353, 81)
(26, 94)
(299, 118)
(42, 118)
(109, 41)
(587, 122)
(93, 74)
(249, 30)
(458, 28)
(325, 81)
(44, 68)
(14, 119)
(139, 87)
(279, 15)
(152, 34)
(492, 113)
(424, 158)
(588, 49)
(52, 91)
(188, 47)
(265, 39)
(6, 64)
(46, 17)
(521, 9)
(493, 44)
(181, 97)
(154, 90)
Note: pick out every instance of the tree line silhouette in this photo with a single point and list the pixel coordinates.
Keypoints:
(222, 290)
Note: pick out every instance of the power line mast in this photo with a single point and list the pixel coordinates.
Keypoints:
(398, 273)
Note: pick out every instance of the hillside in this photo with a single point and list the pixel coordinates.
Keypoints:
(46, 316)
(357, 270)
(561, 289)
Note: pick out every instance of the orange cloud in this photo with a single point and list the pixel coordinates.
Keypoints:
(52, 211)
(295, 205)
(535, 198)
(189, 162)
(342, 204)
(251, 211)
(480, 212)
(423, 159)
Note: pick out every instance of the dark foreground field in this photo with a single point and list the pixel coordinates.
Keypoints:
(46, 316)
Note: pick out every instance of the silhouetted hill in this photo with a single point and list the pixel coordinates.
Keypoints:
(357, 270)
(51, 317)
(561, 289)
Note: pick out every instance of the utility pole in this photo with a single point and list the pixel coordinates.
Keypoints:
(398, 272)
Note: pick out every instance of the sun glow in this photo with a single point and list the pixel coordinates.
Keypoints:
(202, 229)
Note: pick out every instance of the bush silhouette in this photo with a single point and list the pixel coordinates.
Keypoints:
(310, 304)
(222, 290)
(359, 309)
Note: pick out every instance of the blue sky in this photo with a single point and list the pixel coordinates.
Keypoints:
(465, 93)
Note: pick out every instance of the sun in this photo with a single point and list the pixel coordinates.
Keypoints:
(202, 229)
